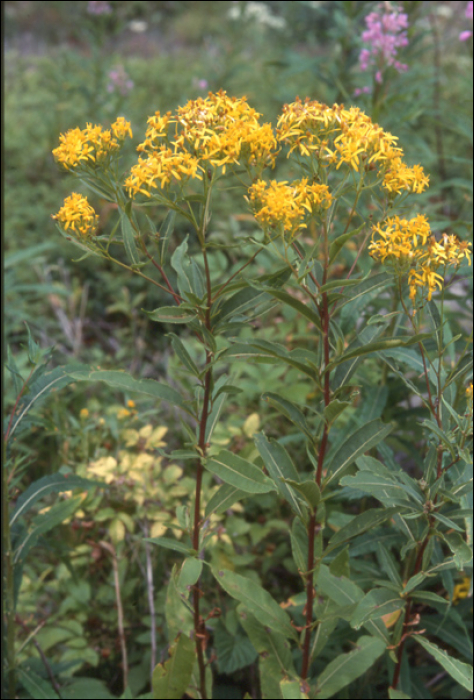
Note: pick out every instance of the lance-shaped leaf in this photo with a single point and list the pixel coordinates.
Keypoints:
(41, 384)
(376, 604)
(346, 668)
(280, 465)
(129, 241)
(257, 600)
(338, 244)
(55, 483)
(291, 411)
(184, 356)
(189, 573)
(291, 690)
(171, 679)
(224, 498)
(169, 543)
(125, 382)
(334, 409)
(384, 279)
(305, 310)
(355, 445)
(397, 695)
(234, 650)
(340, 589)
(461, 672)
(269, 353)
(361, 523)
(376, 346)
(36, 686)
(275, 658)
(172, 314)
(240, 473)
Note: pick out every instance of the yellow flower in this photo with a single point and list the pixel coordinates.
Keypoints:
(84, 413)
(340, 136)
(461, 590)
(121, 128)
(279, 204)
(408, 245)
(160, 169)
(78, 216)
(131, 403)
(469, 392)
(90, 145)
(123, 413)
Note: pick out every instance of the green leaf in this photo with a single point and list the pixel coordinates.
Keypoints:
(183, 354)
(340, 589)
(279, 464)
(42, 524)
(127, 694)
(86, 688)
(178, 612)
(125, 382)
(309, 490)
(338, 244)
(129, 240)
(189, 573)
(234, 651)
(172, 314)
(431, 425)
(291, 411)
(291, 690)
(345, 370)
(34, 350)
(238, 472)
(334, 409)
(38, 688)
(258, 601)
(217, 406)
(275, 657)
(166, 231)
(361, 523)
(458, 670)
(346, 668)
(381, 280)
(56, 483)
(299, 545)
(305, 310)
(169, 543)
(266, 352)
(376, 604)
(378, 345)
(223, 499)
(462, 552)
(355, 445)
(238, 304)
(171, 679)
(38, 389)
(397, 695)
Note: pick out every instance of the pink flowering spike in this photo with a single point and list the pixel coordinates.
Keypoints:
(464, 36)
(469, 10)
(98, 8)
(385, 35)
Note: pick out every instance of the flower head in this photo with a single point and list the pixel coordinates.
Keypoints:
(119, 81)
(385, 35)
(89, 146)
(347, 138)
(279, 205)
(409, 246)
(78, 216)
(98, 8)
(217, 131)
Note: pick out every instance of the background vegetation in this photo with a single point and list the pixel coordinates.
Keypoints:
(65, 67)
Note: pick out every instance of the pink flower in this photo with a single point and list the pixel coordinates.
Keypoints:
(470, 9)
(119, 81)
(98, 8)
(464, 36)
(385, 35)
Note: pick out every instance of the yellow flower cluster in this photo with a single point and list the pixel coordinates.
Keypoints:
(409, 246)
(91, 145)
(218, 130)
(278, 204)
(335, 135)
(78, 216)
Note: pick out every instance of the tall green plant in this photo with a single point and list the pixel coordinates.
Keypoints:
(349, 184)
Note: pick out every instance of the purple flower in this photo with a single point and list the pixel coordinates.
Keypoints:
(385, 35)
(200, 83)
(467, 33)
(98, 8)
(119, 81)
